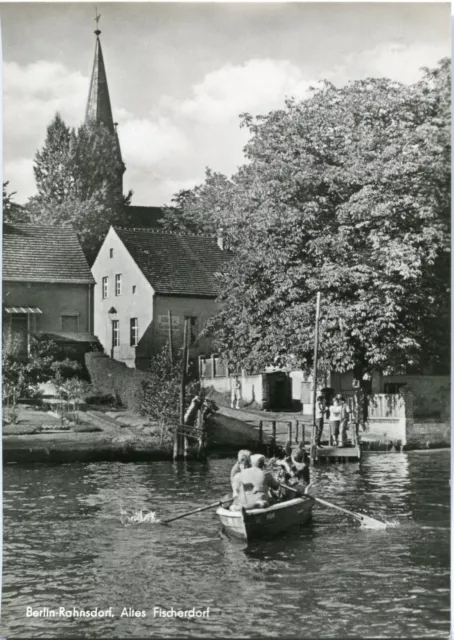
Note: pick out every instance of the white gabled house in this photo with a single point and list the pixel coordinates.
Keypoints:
(143, 274)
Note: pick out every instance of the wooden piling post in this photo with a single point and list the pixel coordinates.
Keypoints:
(304, 433)
(261, 432)
(274, 430)
(297, 430)
(179, 446)
(169, 315)
(289, 432)
(176, 439)
(314, 391)
(313, 455)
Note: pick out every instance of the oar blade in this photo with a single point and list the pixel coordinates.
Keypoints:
(370, 523)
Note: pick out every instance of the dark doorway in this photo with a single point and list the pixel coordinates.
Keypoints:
(19, 334)
(278, 391)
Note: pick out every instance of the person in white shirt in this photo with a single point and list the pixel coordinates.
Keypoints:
(335, 411)
(236, 393)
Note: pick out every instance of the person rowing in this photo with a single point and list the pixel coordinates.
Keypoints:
(252, 486)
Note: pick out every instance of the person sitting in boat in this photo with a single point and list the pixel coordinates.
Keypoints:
(300, 465)
(252, 486)
(295, 470)
(243, 462)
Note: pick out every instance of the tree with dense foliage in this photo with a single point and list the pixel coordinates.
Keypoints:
(201, 210)
(346, 193)
(12, 212)
(77, 178)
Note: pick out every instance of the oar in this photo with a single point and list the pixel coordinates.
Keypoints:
(365, 520)
(219, 503)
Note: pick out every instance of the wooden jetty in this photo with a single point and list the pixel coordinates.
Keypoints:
(185, 436)
(298, 432)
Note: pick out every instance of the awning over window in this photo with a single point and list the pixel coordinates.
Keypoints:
(33, 310)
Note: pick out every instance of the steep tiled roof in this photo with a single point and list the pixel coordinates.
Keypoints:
(38, 253)
(175, 264)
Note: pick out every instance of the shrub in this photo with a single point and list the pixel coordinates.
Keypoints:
(116, 379)
(161, 392)
(47, 362)
(14, 383)
(21, 374)
(154, 393)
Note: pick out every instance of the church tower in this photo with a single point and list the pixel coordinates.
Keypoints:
(99, 109)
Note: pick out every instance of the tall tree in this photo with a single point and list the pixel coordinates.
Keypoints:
(77, 177)
(13, 212)
(347, 193)
(53, 180)
(202, 210)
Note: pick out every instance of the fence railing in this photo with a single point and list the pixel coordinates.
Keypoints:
(212, 367)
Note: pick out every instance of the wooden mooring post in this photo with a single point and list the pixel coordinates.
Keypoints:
(180, 444)
(169, 315)
(289, 432)
(261, 432)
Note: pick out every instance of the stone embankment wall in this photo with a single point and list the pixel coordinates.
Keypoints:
(392, 419)
(428, 434)
(251, 387)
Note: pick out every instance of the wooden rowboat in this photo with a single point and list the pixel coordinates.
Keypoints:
(252, 524)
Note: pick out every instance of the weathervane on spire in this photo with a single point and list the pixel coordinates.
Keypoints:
(97, 17)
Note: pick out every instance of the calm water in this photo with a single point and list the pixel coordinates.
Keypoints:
(64, 545)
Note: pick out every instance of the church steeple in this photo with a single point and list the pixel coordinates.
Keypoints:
(99, 110)
(98, 105)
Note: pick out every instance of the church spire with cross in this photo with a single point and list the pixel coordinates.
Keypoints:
(99, 109)
(98, 105)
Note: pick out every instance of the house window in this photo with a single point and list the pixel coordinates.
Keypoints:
(116, 333)
(110, 253)
(118, 284)
(134, 332)
(133, 288)
(105, 287)
(192, 334)
(70, 323)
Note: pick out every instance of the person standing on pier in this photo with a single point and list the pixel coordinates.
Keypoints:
(345, 417)
(335, 419)
(320, 410)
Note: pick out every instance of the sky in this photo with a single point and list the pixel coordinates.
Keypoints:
(180, 74)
